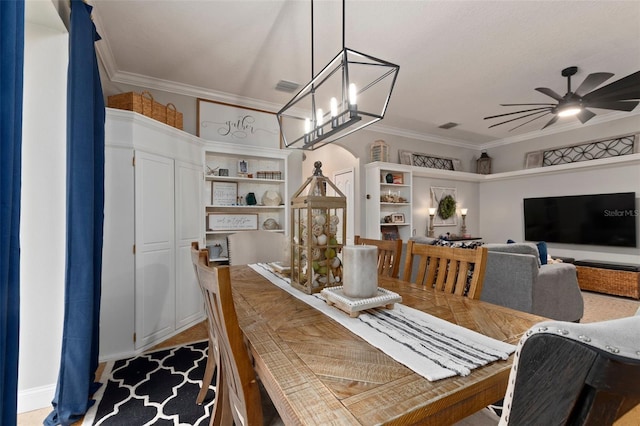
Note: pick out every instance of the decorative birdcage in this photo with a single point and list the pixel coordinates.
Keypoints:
(318, 230)
(379, 151)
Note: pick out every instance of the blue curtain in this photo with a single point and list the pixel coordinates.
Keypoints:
(85, 217)
(11, 67)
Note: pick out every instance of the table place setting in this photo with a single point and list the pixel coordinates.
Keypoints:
(431, 347)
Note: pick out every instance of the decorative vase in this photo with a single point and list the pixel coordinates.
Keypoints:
(251, 199)
(389, 178)
(271, 198)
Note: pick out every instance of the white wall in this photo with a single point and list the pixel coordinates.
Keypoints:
(42, 231)
(512, 156)
(502, 214)
(466, 197)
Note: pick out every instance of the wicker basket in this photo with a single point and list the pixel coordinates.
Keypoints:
(609, 281)
(143, 103)
(174, 118)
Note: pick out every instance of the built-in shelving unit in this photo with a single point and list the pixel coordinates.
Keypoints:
(389, 195)
(231, 174)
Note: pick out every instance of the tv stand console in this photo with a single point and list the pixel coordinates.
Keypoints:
(620, 279)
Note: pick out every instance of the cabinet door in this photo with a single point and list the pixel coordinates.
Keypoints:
(189, 303)
(155, 247)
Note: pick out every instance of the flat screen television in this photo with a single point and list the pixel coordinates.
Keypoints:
(598, 219)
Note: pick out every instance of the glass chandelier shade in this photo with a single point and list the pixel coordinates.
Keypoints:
(351, 92)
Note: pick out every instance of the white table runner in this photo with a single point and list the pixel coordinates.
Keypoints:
(434, 348)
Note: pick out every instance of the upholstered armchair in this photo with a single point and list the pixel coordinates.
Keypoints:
(515, 278)
(567, 373)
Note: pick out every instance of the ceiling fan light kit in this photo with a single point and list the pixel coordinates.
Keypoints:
(619, 96)
(348, 94)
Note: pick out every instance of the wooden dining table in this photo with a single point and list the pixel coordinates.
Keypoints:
(318, 373)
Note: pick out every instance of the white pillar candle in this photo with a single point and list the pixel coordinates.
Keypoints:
(360, 269)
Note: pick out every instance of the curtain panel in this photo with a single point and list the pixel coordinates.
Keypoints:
(85, 217)
(11, 83)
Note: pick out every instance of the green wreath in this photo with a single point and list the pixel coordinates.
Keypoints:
(447, 207)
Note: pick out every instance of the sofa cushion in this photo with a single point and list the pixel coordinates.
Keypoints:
(542, 251)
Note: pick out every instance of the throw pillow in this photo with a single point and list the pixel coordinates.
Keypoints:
(510, 241)
(542, 250)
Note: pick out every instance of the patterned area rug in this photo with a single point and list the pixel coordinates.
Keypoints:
(155, 388)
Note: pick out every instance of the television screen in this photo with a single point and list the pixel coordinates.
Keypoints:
(600, 219)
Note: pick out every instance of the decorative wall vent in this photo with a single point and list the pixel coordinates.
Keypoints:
(606, 148)
(429, 161)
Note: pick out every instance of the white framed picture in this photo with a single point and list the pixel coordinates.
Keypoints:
(224, 193)
(222, 122)
(445, 202)
(232, 221)
(243, 167)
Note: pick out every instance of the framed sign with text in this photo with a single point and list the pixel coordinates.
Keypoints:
(222, 122)
(232, 221)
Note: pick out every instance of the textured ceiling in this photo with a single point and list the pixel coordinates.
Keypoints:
(458, 59)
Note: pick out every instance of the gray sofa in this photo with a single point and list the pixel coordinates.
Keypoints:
(514, 278)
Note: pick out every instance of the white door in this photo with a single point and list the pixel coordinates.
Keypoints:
(155, 248)
(189, 303)
(343, 179)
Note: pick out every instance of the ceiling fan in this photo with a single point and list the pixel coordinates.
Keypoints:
(615, 96)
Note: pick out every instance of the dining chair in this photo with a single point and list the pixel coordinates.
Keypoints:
(243, 403)
(212, 350)
(389, 253)
(577, 374)
(256, 246)
(451, 269)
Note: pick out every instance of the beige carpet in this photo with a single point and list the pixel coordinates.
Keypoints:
(601, 307)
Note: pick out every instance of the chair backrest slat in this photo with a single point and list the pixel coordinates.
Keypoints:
(389, 253)
(447, 268)
(241, 390)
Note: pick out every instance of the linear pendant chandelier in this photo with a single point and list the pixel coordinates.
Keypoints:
(351, 92)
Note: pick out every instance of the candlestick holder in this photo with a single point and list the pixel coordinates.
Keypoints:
(463, 227)
(431, 231)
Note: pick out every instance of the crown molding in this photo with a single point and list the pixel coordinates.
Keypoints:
(555, 129)
(106, 57)
(394, 131)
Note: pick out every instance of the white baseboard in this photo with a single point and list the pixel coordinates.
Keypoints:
(36, 398)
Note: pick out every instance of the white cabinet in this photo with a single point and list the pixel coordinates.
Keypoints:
(388, 204)
(244, 190)
(153, 212)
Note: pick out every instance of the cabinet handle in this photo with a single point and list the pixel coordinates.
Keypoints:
(368, 196)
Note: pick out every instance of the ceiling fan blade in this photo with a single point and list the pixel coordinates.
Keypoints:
(529, 121)
(615, 105)
(592, 81)
(549, 92)
(585, 115)
(553, 120)
(626, 88)
(517, 118)
(517, 112)
(525, 104)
